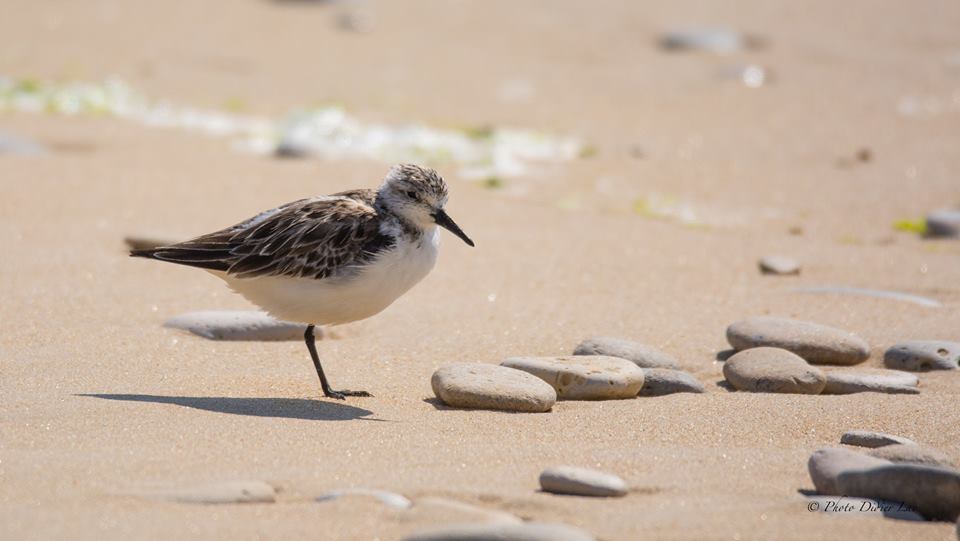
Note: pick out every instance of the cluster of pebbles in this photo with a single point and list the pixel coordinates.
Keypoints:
(777, 355)
(893, 477)
(599, 369)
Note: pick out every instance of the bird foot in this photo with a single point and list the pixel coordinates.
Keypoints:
(341, 395)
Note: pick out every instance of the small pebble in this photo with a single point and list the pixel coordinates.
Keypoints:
(923, 355)
(781, 265)
(870, 380)
(390, 499)
(488, 386)
(13, 144)
(859, 507)
(866, 438)
(460, 511)
(772, 370)
(716, 40)
(581, 482)
(237, 325)
(229, 492)
(913, 454)
(931, 491)
(663, 381)
(584, 377)
(818, 344)
(944, 223)
(826, 464)
(641, 355)
(527, 531)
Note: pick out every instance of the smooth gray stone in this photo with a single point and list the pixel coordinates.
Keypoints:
(390, 499)
(663, 381)
(229, 492)
(826, 464)
(488, 386)
(236, 325)
(584, 377)
(527, 531)
(12, 144)
(642, 355)
(866, 438)
(716, 40)
(862, 507)
(772, 370)
(913, 454)
(944, 223)
(581, 482)
(870, 380)
(931, 491)
(923, 355)
(815, 343)
(780, 265)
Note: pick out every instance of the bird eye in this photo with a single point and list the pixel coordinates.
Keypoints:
(412, 195)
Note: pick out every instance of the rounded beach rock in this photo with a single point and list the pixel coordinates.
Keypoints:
(488, 386)
(777, 264)
(772, 370)
(816, 343)
(931, 491)
(527, 531)
(237, 325)
(825, 465)
(923, 355)
(663, 381)
(913, 454)
(581, 482)
(944, 223)
(866, 438)
(870, 380)
(640, 354)
(584, 377)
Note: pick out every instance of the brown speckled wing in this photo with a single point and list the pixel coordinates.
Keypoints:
(311, 238)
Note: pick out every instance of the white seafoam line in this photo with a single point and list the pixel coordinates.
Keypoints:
(326, 132)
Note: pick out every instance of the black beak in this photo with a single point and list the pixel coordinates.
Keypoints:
(447, 223)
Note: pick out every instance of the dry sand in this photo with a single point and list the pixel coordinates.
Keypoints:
(560, 256)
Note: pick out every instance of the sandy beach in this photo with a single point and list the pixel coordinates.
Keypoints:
(685, 177)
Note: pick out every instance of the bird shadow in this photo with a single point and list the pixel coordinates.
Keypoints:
(284, 408)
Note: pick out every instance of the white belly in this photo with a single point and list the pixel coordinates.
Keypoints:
(336, 301)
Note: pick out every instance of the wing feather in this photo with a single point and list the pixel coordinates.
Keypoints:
(315, 238)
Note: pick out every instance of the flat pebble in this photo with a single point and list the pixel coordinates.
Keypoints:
(642, 355)
(818, 344)
(923, 355)
(463, 512)
(826, 464)
(944, 223)
(228, 492)
(663, 381)
(581, 482)
(866, 438)
(772, 370)
(913, 454)
(237, 325)
(527, 531)
(778, 264)
(390, 499)
(716, 40)
(870, 380)
(13, 144)
(931, 491)
(584, 377)
(860, 507)
(488, 386)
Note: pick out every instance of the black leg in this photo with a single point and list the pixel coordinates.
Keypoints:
(324, 384)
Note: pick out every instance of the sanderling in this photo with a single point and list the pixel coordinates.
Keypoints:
(330, 259)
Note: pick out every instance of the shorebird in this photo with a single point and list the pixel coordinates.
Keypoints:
(330, 259)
